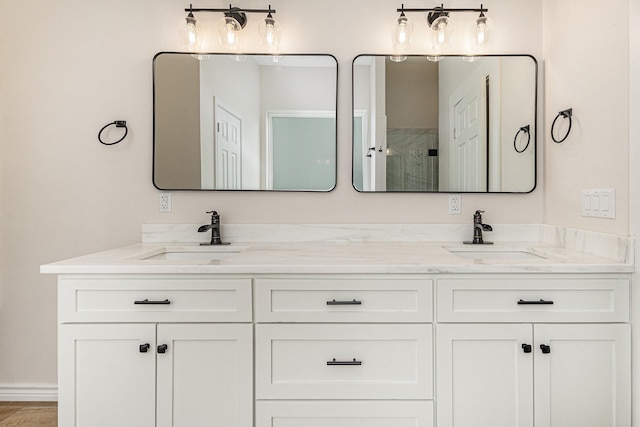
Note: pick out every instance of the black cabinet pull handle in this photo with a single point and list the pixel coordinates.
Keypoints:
(147, 302)
(526, 348)
(144, 347)
(352, 302)
(335, 362)
(162, 349)
(539, 302)
(545, 349)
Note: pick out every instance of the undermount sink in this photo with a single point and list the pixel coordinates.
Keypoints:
(492, 252)
(198, 253)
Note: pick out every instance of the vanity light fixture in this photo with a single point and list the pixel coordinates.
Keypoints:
(439, 21)
(482, 33)
(190, 33)
(269, 31)
(231, 28)
(402, 36)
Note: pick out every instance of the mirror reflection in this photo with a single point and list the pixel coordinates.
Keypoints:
(456, 124)
(249, 122)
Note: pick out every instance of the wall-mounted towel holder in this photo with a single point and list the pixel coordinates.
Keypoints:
(118, 124)
(566, 114)
(526, 129)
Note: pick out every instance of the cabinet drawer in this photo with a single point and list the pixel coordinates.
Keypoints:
(344, 300)
(533, 300)
(344, 414)
(344, 361)
(154, 299)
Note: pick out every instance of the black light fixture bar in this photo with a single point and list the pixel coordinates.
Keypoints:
(233, 9)
(440, 9)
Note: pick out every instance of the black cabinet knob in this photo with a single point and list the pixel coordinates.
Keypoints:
(144, 347)
(545, 348)
(526, 348)
(162, 348)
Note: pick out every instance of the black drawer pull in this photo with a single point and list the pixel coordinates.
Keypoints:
(526, 348)
(147, 302)
(545, 349)
(144, 347)
(352, 302)
(162, 348)
(539, 302)
(335, 362)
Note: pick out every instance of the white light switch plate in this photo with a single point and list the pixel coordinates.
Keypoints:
(599, 203)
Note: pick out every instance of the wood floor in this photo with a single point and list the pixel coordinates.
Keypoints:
(28, 414)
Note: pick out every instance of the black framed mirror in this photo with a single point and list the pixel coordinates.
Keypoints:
(445, 124)
(244, 122)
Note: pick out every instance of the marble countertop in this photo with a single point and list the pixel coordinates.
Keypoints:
(337, 258)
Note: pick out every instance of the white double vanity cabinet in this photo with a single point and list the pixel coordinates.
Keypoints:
(342, 335)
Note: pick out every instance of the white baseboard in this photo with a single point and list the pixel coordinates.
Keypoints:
(28, 392)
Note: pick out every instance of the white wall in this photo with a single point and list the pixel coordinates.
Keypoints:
(71, 66)
(587, 69)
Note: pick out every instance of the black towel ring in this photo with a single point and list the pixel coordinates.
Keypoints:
(119, 124)
(526, 129)
(564, 114)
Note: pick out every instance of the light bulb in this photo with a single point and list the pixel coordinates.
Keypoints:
(402, 35)
(230, 34)
(269, 31)
(190, 34)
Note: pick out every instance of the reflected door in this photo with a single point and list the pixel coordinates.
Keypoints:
(469, 139)
(228, 147)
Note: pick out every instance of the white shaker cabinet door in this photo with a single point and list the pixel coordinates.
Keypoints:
(484, 375)
(584, 376)
(205, 375)
(106, 375)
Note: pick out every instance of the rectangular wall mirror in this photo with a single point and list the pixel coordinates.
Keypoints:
(456, 124)
(244, 122)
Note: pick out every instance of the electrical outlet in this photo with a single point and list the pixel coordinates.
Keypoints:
(164, 202)
(455, 204)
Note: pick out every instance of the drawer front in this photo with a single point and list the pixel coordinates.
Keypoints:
(344, 300)
(344, 361)
(155, 299)
(532, 300)
(344, 414)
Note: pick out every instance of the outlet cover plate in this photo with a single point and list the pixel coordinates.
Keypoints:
(455, 204)
(164, 202)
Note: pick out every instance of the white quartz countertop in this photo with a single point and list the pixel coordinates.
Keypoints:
(338, 258)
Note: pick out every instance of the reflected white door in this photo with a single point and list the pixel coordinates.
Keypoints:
(228, 158)
(469, 148)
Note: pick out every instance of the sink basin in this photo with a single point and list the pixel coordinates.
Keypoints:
(197, 253)
(494, 253)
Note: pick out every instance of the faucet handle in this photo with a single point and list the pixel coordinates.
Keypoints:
(212, 212)
(478, 212)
